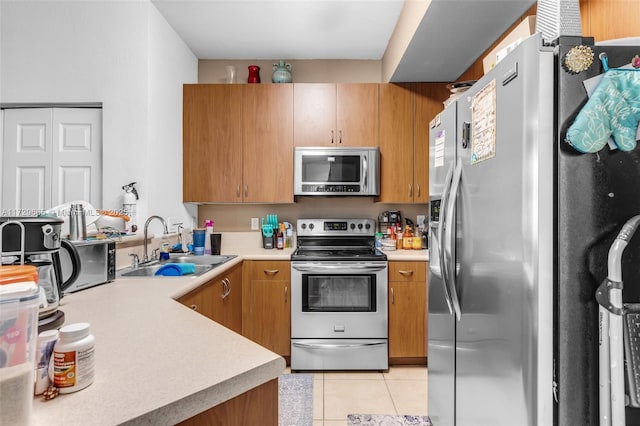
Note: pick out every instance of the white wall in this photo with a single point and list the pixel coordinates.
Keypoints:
(120, 53)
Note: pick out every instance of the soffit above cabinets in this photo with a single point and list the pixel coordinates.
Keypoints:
(450, 37)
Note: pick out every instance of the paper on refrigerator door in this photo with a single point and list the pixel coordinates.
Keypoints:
(439, 149)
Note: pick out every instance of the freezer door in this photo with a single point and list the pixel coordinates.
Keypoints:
(499, 222)
(441, 324)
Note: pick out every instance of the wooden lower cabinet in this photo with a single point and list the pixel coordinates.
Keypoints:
(257, 406)
(220, 299)
(266, 307)
(407, 312)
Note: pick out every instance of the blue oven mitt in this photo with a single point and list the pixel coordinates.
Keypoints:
(612, 110)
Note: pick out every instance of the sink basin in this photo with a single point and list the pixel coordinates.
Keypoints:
(203, 264)
(207, 259)
(150, 270)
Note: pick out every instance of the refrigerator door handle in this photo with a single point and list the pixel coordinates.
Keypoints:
(440, 241)
(450, 241)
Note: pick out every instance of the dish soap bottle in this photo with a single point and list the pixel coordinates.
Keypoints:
(208, 225)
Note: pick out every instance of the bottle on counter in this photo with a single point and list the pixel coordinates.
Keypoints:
(378, 240)
(280, 237)
(74, 358)
(208, 226)
(407, 238)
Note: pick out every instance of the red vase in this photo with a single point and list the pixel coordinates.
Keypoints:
(254, 74)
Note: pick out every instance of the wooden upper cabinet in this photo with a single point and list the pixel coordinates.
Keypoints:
(396, 143)
(212, 143)
(405, 113)
(357, 114)
(268, 143)
(335, 114)
(238, 143)
(428, 102)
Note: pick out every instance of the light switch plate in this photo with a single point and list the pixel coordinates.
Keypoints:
(255, 225)
(420, 220)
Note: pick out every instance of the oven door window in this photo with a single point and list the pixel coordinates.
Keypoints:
(331, 168)
(339, 293)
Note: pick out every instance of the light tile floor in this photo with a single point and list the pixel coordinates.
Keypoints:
(400, 390)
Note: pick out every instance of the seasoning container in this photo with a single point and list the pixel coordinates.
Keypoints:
(74, 358)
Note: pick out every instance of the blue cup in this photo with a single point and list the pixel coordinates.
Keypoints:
(198, 241)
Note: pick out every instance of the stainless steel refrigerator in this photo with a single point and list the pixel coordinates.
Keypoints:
(520, 227)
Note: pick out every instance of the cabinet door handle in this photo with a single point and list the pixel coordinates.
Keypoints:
(340, 137)
(271, 271)
(418, 189)
(393, 296)
(246, 191)
(405, 273)
(286, 291)
(194, 307)
(332, 137)
(410, 190)
(238, 191)
(227, 288)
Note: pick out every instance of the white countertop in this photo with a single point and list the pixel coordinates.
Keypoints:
(157, 361)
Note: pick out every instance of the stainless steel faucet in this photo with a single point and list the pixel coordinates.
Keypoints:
(146, 227)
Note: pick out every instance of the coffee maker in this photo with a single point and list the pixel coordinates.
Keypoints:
(36, 241)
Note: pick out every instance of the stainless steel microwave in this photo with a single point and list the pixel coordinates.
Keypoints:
(97, 263)
(336, 171)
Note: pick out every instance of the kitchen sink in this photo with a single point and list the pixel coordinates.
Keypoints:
(203, 264)
(207, 259)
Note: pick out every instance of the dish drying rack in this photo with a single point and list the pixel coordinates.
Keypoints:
(619, 343)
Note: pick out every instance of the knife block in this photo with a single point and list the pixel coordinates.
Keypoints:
(268, 242)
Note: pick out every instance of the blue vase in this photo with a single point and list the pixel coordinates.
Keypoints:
(281, 73)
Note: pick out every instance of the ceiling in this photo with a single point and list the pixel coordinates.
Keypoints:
(450, 37)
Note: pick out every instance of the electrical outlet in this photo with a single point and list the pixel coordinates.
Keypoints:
(420, 220)
(255, 225)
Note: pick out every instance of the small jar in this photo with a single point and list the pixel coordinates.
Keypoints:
(74, 358)
(417, 243)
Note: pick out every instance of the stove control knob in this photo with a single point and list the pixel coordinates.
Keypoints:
(311, 226)
(353, 225)
(368, 226)
(359, 226)
(303, 226)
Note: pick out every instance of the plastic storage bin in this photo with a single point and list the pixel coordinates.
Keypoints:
(19, 302)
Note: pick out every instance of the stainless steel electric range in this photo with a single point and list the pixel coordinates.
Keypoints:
(339, 315)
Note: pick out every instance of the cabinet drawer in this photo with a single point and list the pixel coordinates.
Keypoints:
(268, 269)
(407, 271)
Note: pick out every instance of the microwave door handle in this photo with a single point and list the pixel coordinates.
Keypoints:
(364, 177)
(440, 233)
(450, 241)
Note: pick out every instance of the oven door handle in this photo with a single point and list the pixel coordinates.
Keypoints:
(341, 268)
(336, 345)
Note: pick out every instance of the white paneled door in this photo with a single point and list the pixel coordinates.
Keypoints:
(50, 156)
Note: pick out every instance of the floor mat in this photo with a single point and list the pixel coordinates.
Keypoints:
(295, 399)
(387, 420)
